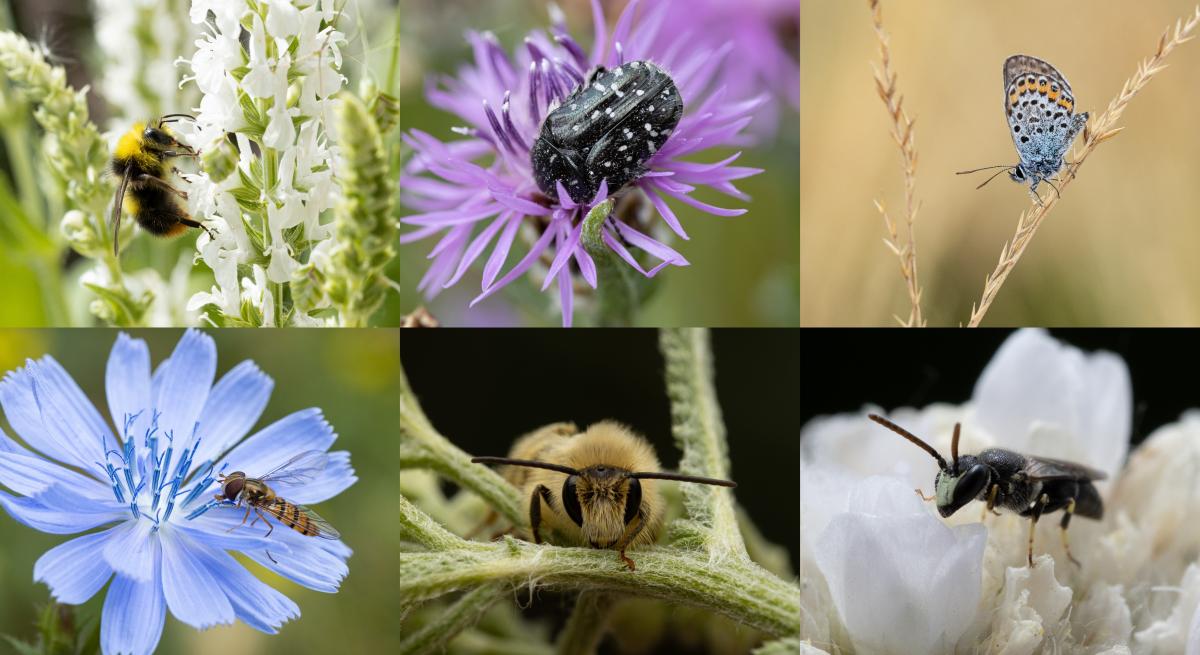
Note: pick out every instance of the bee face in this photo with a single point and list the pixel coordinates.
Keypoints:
(956, 490)
(602, 500)
(157, 138)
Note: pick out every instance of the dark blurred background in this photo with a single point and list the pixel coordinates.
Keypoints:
(352, 376)
(483, 389)
(846, 369)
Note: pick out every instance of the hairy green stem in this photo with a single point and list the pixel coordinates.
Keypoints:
(587, 623)
(463, 613)
(617, 291)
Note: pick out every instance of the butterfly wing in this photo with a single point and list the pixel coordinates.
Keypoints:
(1040, 107)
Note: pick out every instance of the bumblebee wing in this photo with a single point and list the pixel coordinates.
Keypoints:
(1046, 468)
(301, 469)
(116, 210)
(302, 519)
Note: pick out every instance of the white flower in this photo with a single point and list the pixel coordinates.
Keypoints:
(870, 549)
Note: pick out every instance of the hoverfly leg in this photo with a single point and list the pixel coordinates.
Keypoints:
(1034, 515)
(244, 517)
(270, 526)
(271, 558)
(923, 496)
(1066, 519)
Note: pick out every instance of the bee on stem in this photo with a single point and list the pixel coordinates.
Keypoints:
(596, 488)
(141, 164)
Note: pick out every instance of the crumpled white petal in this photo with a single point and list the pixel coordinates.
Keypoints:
(902, 581)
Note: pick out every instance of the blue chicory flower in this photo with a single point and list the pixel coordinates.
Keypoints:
(165, 542)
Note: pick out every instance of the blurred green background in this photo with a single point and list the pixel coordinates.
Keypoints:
(352, 376)
(743, 270)
(1119, 248)
(39, 273)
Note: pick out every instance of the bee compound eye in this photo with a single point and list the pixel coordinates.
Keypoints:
(570, 500)
(970, 484)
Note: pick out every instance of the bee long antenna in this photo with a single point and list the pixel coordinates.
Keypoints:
(911, 437)
(683, 478)
(954, 446)
(174, 117)
(525, 462)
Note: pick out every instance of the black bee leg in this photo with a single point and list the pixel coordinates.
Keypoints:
(631, 531)
(1034, 515)
(535, 510)
(191, 222)
(166, 186)
(923, 496)
(1066, 519)
(179, 153)
(991, 502)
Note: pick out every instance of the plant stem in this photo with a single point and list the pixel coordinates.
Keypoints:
(586, 624)
(464, 613)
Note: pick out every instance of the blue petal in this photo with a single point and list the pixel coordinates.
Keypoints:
(29, 475)
(48, 514)
(24, 409)
(221, 528)
(68, 414)
(280, 441)
(7, 445)
(257, 605)
(182, 385)
(134, 613)
(127, 386)
(309, 564)
(234, 406)
(336, 478)
(193, 593)
(133, 551)
(72, 570)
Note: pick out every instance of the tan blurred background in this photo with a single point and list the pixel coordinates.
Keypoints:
(1120, 249)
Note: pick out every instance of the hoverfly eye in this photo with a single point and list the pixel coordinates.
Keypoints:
(570, 499)
(233, 488)
(633, 500)
(970, 484)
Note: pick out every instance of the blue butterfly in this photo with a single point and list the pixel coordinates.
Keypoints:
(1040, 108)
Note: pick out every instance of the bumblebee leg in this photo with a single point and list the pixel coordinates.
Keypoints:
(159, 182)
(179, 153)
(191, 222)
(1066, 519)
(1033, 519)
(923, 496)
(535, 510)
(631, 531)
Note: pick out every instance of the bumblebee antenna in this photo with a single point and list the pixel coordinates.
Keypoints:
(683, 478)
(525, 462)
(911, 437)
(954, 446)
(174, 117)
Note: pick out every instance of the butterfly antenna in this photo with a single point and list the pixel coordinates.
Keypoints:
(994, 176)
(976, 170)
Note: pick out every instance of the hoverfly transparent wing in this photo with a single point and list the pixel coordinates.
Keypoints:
(301, 469)
(1047, 468)
(301, 519)
(116, 210)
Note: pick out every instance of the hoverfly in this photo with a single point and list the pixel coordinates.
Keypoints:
(258, 497)
(1025, 484)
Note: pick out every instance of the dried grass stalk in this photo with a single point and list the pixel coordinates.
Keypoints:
(902, 132)
(1099, 130)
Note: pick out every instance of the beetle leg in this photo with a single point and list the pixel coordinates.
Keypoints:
(1066, 519)
(1033, 519)
(923, 496)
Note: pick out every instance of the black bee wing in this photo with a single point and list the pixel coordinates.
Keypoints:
(1046, 468)
(116, 210)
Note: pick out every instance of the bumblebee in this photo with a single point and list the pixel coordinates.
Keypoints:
(141, 164)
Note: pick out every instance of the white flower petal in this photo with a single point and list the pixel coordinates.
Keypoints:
(1033, 601)
(902, 583)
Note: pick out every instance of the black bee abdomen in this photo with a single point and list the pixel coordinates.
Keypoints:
(606, 130)
(158, 212)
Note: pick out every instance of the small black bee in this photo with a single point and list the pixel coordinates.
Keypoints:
(140, 163)
(1027, 485)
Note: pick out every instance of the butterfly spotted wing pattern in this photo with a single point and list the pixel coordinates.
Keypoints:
(1041, 116)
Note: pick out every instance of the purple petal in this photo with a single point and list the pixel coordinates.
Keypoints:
(520, 268)
(566, 297)
(663, 210)
(500, 252)
(563, 255)
(475, 249)
(72, 570)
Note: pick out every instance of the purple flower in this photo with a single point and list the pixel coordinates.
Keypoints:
(479, 192)
(164, 542)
